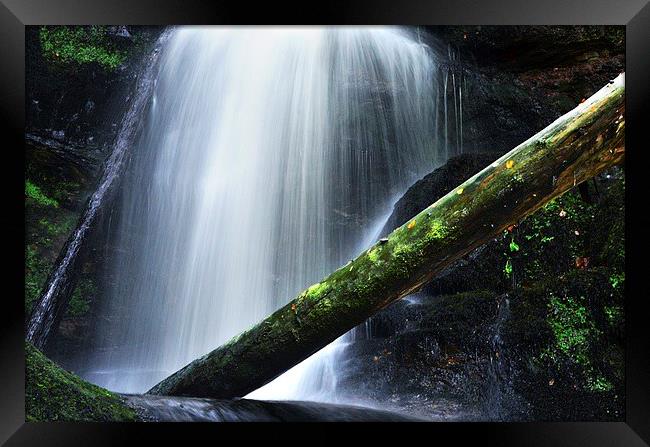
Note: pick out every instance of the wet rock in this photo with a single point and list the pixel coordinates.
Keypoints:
(434, 352)
(119, 32)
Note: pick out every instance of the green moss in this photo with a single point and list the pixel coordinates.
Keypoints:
(44, 241)
(80, 45)
(36, 271)
(617, 279)
(373, 254)
(66, 191)
(614, 314)
(34, 193)
(48, 223)
(437, 230)
(315, 290)
(55, 229)
(53, 394)
(599, 384)
(79, 303)
(507, 270)
(554, 236)
(513, 246)
(572, 329)
(579, 311)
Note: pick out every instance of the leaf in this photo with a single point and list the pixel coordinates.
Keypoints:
(411, 224)
(508, 268)
(582, 262)
(514, 246)
(510, 164)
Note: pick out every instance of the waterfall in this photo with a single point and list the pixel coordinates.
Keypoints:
(267, 157)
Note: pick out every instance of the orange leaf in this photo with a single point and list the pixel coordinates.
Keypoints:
(582, 262)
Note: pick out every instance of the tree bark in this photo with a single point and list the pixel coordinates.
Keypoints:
(574, 148)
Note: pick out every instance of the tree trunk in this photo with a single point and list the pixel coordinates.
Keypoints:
(574, 148)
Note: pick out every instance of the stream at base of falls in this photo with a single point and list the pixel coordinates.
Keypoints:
(187, 409)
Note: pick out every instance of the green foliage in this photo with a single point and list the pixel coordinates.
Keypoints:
(55, 229)
(53, 394)
(66, 191)
(513, 246)
(507, 270)
(554, 236)
(34, 193)
(48, 224)
(437, 230)
(614, 314)
(80, 301)
(80, 45)
(581, 319)
(36, 271)
(599, 384)
(572, 329)
(617, 279)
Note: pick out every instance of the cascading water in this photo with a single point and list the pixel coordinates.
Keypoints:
(267, 156)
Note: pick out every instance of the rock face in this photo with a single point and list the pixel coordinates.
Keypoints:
(72, 114)
(518, 79)
(76, 82)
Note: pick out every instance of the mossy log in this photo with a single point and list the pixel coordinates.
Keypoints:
(574, 148)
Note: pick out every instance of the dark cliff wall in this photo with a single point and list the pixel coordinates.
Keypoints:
(518, 79)
(78, 81)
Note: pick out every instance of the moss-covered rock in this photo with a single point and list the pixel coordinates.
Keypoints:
(80, 45)
(566, 338)
(53, 394)
(48, 222)
(77, 78)
(54, 196)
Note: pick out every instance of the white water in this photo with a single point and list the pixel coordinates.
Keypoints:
(268, 157)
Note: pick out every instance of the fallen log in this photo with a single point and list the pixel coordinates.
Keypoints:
(574, 148)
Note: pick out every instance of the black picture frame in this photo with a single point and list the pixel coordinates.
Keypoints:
(634, 14)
